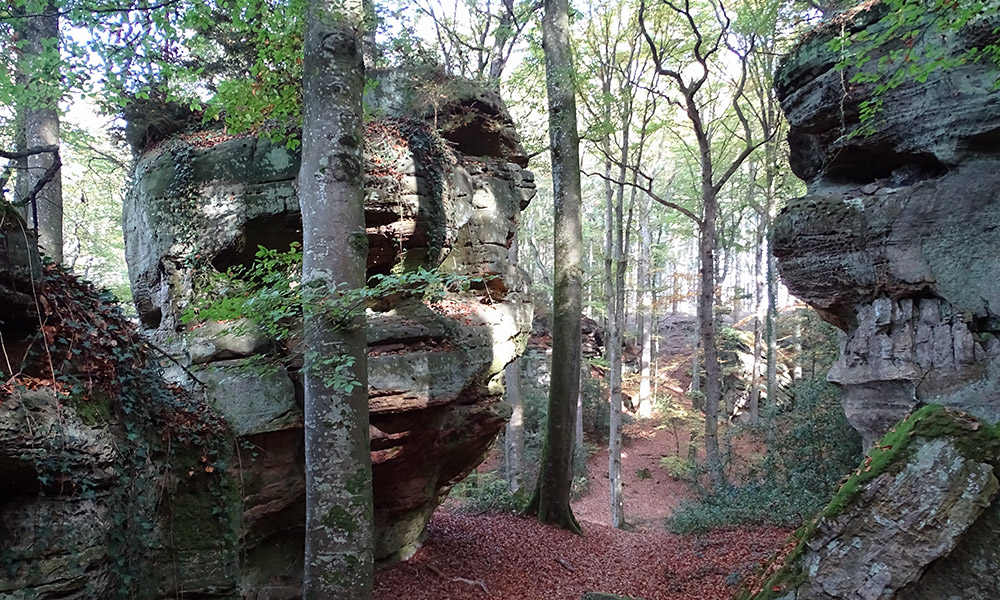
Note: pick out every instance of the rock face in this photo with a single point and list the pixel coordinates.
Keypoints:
(895, 241)
(435, 384)
(895, 245)
(915, 521)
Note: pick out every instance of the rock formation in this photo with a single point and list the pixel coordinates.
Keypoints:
(896, 241)
(895, 244)
(201, 205)
(917, 520)
(113, 483)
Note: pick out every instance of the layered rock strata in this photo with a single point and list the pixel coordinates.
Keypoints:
(201, 206)
(895, 244)
(896, 241)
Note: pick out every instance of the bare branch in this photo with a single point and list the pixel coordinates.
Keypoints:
(648, 190)
(28, 152)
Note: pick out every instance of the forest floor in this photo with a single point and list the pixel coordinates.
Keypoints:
(507, 557)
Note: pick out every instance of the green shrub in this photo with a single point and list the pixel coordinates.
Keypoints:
(811, 448)
(488, 492)
(679, 469)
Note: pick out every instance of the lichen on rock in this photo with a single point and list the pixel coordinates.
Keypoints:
(894, 243)
(434, 199)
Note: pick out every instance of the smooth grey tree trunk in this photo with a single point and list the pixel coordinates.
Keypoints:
(759, 304)
(40, 120)
(771, 326)
(551, 499)
(338, 546)
(645, 308)
(515, 427)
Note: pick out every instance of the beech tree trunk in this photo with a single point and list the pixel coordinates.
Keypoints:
(706, 316)
(753, 401)
(515, 427)
(645, 309)
(39, 118)
(615, 337)
(338, 547)
(551, 499)
(771, 323)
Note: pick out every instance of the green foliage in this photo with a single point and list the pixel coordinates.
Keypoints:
(809, 341)
(908, 43)
(488, 492)
(813, 448)
(679, 469)
(268, 294)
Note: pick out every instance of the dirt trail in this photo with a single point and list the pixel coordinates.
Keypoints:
(506, 557)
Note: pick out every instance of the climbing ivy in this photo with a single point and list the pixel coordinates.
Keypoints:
(908, 43)
(96, 368)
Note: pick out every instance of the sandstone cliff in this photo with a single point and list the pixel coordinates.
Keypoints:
(895, 241)
(156, 511)
(895, 244)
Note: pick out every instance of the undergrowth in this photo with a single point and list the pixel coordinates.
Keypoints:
(91, 361)
(811, 448)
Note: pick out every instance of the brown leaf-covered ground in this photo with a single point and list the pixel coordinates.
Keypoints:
(506, 557)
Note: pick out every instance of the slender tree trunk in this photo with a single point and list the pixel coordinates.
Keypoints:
(40, 120)
(771, 324)
(696, 351)
(645, 309)
(797, 349)
(581, 451)
(713, 371)
(551, 500)
(515, 427)
(504, 32)
(338, 551)
(613, 348)
(753, 402)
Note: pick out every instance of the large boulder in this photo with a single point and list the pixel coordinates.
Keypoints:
(917, 520)
(201, 204)
(896, 241)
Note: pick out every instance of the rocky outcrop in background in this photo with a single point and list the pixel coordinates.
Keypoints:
(895, 244)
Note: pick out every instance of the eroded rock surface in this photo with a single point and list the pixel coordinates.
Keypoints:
(913, 522)
(895, 244)
(434, 367)
(896, 241)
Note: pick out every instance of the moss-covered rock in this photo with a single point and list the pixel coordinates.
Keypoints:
(921, 499)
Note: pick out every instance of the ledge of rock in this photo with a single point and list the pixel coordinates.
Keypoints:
(895, 241)
(914, 521)
(200, 205)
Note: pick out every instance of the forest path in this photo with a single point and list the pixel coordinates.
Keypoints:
(508, 557)
(650, 494)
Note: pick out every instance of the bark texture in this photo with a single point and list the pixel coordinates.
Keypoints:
(551, 500)
(39, 114)
(338, 552)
